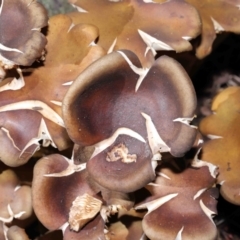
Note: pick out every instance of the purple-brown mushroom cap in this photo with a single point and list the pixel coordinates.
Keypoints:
(129, 119)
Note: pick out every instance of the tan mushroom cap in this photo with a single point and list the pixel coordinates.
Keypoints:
(127, 225)
(16, 199)
(216, 16)
(9, 181)
(16, 233)
(181, 206)
(223, 148)
(140, 26)
(20, 25)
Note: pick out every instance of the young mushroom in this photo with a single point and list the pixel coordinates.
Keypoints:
(128, 116)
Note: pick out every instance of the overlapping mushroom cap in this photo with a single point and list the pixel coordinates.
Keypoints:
(182, 204)
(128, 115)
(140, 26)
(222, 150)
(16, 203)
(216, 16)
(21, 41)
(33, 112)
(67, 201)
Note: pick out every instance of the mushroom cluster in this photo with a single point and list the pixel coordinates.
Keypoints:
(122, 119)
(97, 86)
(37, 105)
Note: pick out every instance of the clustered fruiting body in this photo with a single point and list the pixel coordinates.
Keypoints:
(101, 91)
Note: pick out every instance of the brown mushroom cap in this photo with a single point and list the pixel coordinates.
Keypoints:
(53, 196)
(181, 205)
(103, 99)
(108, 96)
(20, 24)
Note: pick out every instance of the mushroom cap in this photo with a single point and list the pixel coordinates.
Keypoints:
(53, 196)
(36, 107)
(182, 203)
(16, 199)
(108, 102)
(140, 26)
(222, 149)
(16, 233)
(216, 16)
(20, 25)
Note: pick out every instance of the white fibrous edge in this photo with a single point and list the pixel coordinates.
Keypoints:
(1, 7)
(187, 38)
(179, 234)
(143, 237)
(154, 184)
(101, 146)
(68, 83)
(92, 44)
(153, 44)
(5, 230)
(70, 27)
(112, 46)
(155, 204)
(83, 209)
(64, 227)
(4, 48)
(142, 72)
(10, 138)
(199, 193)
(17, 188)
(163, 175)
(207, 211)
(12, 215)
(222, 182)
(156, 143)
(15, 84)
(56, 103)
(200, 163)
(218, 28)
(149, 1)
(79, 9)
(44, 135)
(35, 105)
(72, 168)
(212, 137)
(186, 121)
(2, 73)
